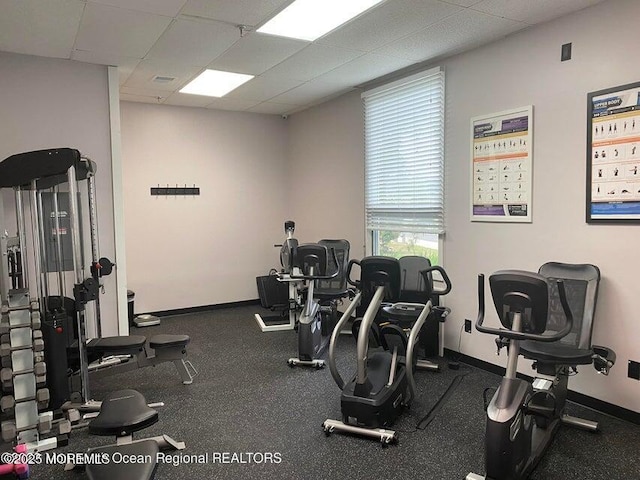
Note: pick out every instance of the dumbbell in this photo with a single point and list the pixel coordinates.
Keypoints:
(6, 377)
(9, 431)
(40, 372)
(7, 402)
(36, 322)
(44, 424)
(64, 427)
(38, 342)
(4, 309)
(42, 397)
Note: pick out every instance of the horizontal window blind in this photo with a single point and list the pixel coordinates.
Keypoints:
(404, 154)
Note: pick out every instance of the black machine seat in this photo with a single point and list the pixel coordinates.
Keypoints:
(556, 353)
(125, 471)
(122, 413)
(336, 287)
(120, 345)
(581, 287)
(168, 341)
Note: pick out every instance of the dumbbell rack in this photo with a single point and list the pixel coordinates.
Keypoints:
(25, 396)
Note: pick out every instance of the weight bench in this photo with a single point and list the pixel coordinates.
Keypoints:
(125, 353)
(122, 413)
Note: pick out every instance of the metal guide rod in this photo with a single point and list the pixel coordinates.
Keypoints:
(514, 348)
(95, 245)
(43, 243)
(37, 249)
(58, 240)
(77, 266)
(413, 338)
(363, 334)
(93, 217)
(22, 236)
(334, 339)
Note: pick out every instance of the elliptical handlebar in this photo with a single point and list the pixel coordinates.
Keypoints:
(445, 277)
(355, 283)
(506, 333)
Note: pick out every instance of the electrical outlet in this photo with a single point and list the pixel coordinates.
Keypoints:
(467, 325)
(634, 370)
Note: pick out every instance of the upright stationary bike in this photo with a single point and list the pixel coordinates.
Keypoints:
(312, 260)
(547, 317)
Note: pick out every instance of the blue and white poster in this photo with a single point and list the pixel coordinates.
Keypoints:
(613, 155)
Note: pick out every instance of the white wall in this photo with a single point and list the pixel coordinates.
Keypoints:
(193, 251)
(49, 103)
(520, 70)
(326, 172)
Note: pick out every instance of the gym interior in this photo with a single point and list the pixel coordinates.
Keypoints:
(202, 339)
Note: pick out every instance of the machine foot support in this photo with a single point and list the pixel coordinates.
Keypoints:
(474, 476)
(386, 437)
(296, 362)
(427, 365)
(580, 423)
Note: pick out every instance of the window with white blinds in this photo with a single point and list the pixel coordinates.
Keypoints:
(404, 154)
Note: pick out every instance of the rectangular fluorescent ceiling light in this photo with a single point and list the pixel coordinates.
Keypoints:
(311, 19)
(215, 83)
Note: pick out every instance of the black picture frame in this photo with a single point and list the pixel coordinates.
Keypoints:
(606, 110)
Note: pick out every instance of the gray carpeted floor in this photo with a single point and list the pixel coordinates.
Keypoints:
(246, 400)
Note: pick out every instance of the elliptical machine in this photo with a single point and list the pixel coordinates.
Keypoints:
(523, 417)
(383, 384)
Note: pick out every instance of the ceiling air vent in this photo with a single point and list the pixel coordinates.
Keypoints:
(163, 79)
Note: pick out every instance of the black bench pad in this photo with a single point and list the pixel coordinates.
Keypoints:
(116, 345)
(126, 471)
(122, 413)
(168, 341)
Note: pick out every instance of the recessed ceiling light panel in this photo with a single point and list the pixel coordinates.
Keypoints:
(311, 19)
(215, 83)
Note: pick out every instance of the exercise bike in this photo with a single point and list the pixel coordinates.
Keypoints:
(314, 328)
(383, 384)
(547, 317)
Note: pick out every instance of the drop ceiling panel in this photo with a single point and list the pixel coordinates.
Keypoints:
(263, 88)
(314, 60)
(272, 108)
(117, 31)
(388, 22)
(364, 69)
(157, 95)
(227, 103)
(142, 76)
(127, 97)
(310, 92)
(40, 28)
(194, 42)
(246, 12)
(169, 8)
(125, 65)
(463, 3)
(532, 12)
(188, 100)
(464, 30)
(255, 53)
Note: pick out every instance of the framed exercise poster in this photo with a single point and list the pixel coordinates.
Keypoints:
(613, 155)
(501, 170)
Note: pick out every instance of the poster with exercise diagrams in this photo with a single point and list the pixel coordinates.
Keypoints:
(501, 152)
(613, 155)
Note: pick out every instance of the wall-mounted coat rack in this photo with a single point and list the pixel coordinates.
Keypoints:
(175, 190)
